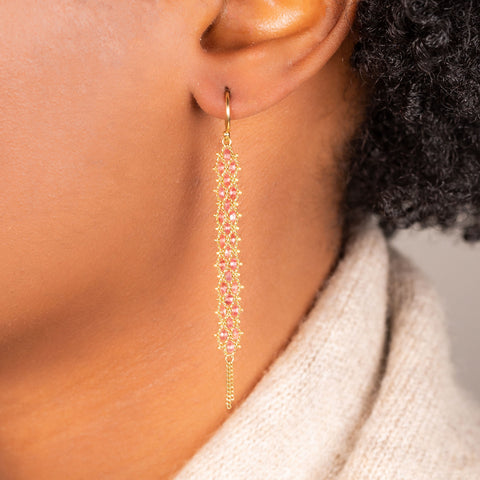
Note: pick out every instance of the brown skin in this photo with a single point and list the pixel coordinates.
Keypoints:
(108, 363)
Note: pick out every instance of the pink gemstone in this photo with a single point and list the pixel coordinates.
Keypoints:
(233, 263)
(228, 276)
(227, 180)
(221, 217)
(229, 322)
(227, 228)
(221, 167)
(227, 206)
(235, 333)
(223, 311)
(229, 299)
(233, 167)
(232, 215)
(233, 239)
(221, 192)
(228, 252)
(221, 240)
(226, 154)
(223, 287)
(235, 310)
(232, 192)
(222, 264)
(230, 346)
(234, 287)
(223, 335)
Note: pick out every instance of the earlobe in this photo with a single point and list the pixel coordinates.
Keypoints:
(263, 54)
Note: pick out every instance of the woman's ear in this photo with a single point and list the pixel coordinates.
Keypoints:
(264, 49)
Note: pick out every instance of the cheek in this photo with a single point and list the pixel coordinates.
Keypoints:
(86, 123)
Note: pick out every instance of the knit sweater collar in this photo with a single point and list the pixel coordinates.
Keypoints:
(327, 406)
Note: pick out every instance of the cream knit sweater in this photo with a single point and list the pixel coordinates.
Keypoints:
(365, 389)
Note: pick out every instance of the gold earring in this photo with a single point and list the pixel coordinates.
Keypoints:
(227, 264)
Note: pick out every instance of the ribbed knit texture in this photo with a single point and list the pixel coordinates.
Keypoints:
(365, 389)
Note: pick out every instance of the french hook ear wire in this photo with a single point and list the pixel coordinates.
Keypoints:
(227, 111)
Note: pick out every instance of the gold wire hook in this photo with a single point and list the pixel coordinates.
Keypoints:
(227, 108)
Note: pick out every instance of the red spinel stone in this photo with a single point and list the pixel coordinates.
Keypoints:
(227, 206)
(227, 180)
(229, 299)
(222, 264)
(221, 240)
(233, 192)
(227, 228)
(235, 310)
(221, 217)
(223, 287)
(223, 335)
(227, 154)
(230, 346)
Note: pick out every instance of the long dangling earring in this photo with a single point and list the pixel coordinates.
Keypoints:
(227, 215)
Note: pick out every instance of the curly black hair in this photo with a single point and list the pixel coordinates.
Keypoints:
(415, 159)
